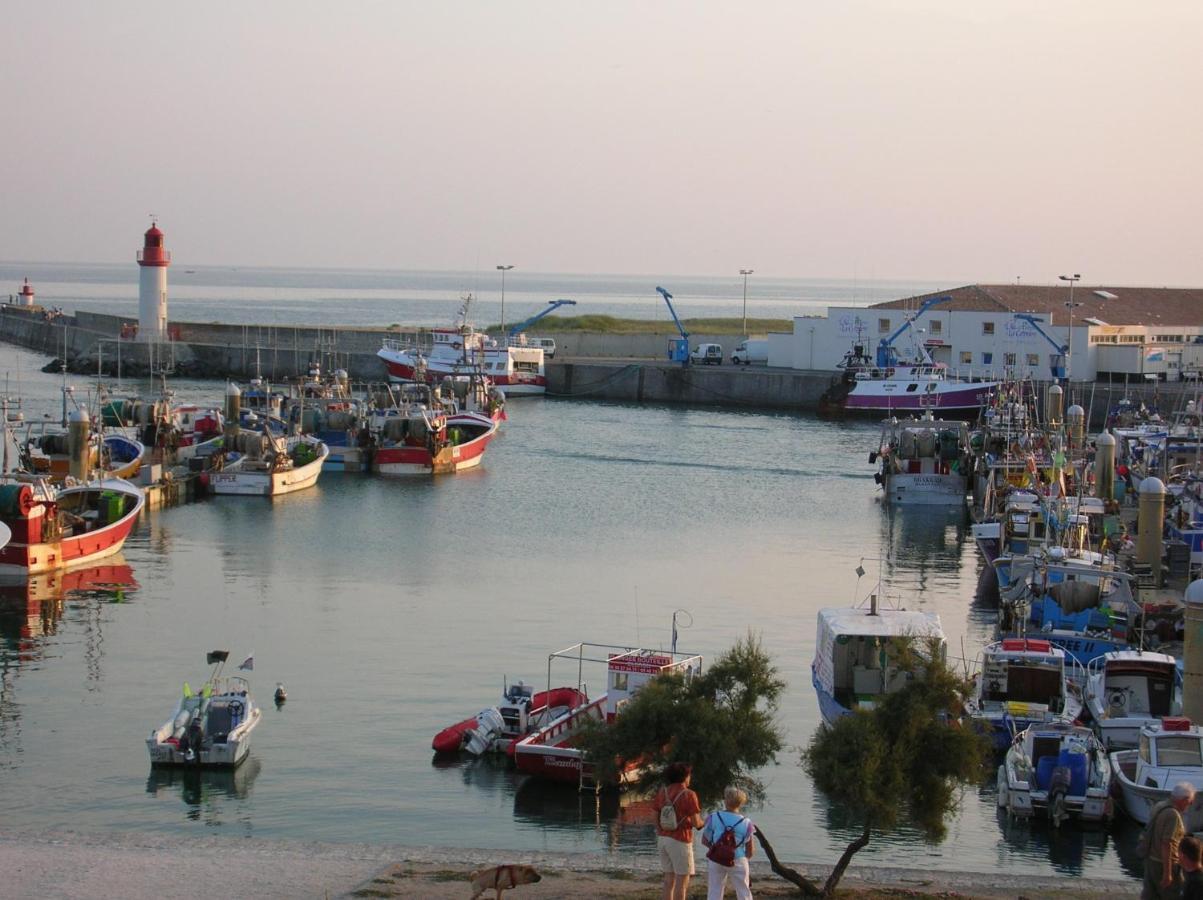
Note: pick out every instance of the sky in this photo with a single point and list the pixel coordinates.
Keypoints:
(928, 139)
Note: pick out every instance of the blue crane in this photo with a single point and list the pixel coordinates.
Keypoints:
(552, 306)
(678, 348)
(885, 347)
(1057, 360)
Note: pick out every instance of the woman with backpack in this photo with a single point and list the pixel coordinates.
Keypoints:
(678, 813)
(729, 837)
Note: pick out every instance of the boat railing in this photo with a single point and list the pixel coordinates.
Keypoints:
(567, 725)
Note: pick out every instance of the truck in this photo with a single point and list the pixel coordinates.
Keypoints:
(752, 351)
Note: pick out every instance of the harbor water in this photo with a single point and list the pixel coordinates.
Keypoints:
(391, 609)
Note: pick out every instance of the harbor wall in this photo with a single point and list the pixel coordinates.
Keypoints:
(212, 350)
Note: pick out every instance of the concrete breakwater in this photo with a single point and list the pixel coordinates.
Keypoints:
(91, 341)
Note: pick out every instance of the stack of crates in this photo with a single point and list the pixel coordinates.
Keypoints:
(1177, 559)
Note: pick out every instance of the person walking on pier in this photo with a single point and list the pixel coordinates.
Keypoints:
(1161, 839)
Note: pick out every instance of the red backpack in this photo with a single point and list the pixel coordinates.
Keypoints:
(723, 850)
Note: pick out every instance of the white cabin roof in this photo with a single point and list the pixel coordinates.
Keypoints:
(887, 622)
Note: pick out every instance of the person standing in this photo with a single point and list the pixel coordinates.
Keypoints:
(1189, 853)
(1163, 834)
(676, 844)
(742, 830)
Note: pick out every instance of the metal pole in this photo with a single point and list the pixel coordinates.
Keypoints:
(503, 270)
(745, 273)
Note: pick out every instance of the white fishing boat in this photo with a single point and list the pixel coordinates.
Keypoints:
(209, 727)
(1169, 751)
(1058, 770)
(923, 462)
(1022, 682)
(1127, 690)
(858, 651)
(266, 465)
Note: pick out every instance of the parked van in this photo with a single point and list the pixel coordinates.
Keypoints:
(710, 354)
(751, 351)
(548, 345)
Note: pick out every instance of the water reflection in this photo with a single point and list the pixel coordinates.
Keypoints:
(1070, 850)
(205, 792)
(620, 820)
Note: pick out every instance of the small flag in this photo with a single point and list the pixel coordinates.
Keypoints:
(860, 571)
(248, 663)
(216, 656)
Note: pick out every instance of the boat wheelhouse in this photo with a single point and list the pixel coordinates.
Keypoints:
(1022, 682)
(1168, 751)
(1127, 690)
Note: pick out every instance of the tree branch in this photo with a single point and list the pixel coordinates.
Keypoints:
(800, 881)
(838, 872)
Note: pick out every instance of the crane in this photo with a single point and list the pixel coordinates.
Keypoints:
(552, 306)
(885, 347)
(678, 348)
(1057, 360)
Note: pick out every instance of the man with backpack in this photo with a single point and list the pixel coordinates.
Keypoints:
(1159, 843)
(678, 813)
(729, 837)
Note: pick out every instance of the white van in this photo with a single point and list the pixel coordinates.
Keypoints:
(709, 354)
(548, 345)
(751, 351)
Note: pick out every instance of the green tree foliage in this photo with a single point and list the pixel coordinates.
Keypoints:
(722, 722)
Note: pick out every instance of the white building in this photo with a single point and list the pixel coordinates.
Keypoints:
(1118, 333)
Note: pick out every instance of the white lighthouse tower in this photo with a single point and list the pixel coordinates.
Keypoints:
(25, 298)
(152, 287)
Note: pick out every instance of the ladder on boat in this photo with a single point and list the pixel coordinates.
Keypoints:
(587, 780)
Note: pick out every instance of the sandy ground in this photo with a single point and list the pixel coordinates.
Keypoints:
(136, 865)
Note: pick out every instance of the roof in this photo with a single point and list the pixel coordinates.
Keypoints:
(887, 622)
(1109, 304)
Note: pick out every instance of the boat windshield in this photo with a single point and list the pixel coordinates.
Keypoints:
(1179, 751)
(1028, 684)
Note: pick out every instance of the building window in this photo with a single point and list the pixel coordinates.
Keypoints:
(966, 358)
(1033, 359)
(987, 328)
(883, 326)
(987, 359)
(935, 326)
(1008, 359)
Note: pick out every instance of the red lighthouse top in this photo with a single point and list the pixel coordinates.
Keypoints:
(27, 290)
(152, 252)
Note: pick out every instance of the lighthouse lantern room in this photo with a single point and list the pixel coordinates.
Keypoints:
(152, 287)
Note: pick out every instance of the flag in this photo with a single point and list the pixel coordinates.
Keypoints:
(248, 663)
(216, 656)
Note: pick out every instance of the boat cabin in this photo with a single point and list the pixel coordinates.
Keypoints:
(1169, 744)
(1024, 672)
(1135, 683)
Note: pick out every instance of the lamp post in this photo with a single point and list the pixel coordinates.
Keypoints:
(745, 273)
(1069, 305)
(503, 270)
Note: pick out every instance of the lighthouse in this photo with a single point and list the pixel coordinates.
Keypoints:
(152, 287)
(25, 297)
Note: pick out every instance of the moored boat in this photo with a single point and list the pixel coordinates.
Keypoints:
(62, 528)
(269, 466)
(1170, 751)
(1127, 690)
(923, 462)
(425, 433)
(209, 727)
(497, 728)
(1058, 770)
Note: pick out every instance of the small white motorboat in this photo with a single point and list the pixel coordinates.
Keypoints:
(1022, 682)
(1129, 689)
(267, 465)
(1171, 750)
(1059, 770)
(211, 727)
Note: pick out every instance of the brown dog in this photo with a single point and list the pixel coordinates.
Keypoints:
(499, 878)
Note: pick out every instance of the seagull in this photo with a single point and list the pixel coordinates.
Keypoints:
(281, 694)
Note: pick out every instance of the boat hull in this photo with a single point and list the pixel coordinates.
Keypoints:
(400, 367)
(405, 460)
(925, 490)
(891, 397)
(224, 755)
(268, 484)
(19, 557)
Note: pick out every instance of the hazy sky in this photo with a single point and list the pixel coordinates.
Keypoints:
(959, 139)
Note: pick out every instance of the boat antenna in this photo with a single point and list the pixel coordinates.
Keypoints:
(677, 612)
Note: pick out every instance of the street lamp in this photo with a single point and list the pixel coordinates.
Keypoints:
(503, 270)
(745, 273)
(1070, 305)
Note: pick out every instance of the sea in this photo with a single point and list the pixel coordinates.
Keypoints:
(392, 608)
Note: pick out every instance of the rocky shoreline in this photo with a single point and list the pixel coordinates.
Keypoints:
(134, 865)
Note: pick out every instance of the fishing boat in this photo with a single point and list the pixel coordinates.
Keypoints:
(1170, 750)
(1058, 770)
(1022, 682)
(886, 383)
(923, 461)
(520, 712)
(461, 350)
(425, 433)
(48, 453)
(858, 651)
(551, 751)
(209, 727)
(56, 528)
(266, 465)
(1127, 690)
(326, 409)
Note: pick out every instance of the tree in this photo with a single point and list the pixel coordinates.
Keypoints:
(909, 756)
(721, 721)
